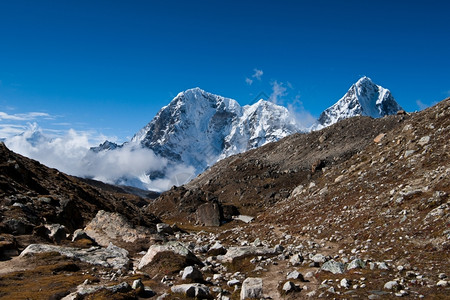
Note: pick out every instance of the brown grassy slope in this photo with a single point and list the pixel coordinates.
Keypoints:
(259, 178)
(391, 199)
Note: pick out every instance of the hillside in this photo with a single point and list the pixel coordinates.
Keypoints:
(372, 189)
(359, 209)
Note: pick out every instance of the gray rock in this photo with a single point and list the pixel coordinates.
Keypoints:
(319, 258)
(311, 294)
(295, 275)
(56, 232)
(289, 287)
(333, 267)
(18, 227)
(442, 283)
(345, 283)
(356, 264)
(257, 242)
(191, 272)
(123, 287)
(110, 257)
(193, 290)
(137, 284)
(208, 214)
(252, 288)
(164, 228)
(424, 140)
(383, 266)
(173, 248)
(112, 227)
(243, 218)
(391, 285)
(217, 249)
(296, 259)
(234, 253)
(80, 234)
(409, 153)
(233, 282)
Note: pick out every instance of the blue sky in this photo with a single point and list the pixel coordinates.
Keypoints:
(107, 67)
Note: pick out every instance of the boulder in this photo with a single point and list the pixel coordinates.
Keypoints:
(109, 227)
(319, 258)
(234, 253)
(356, 264)
(164, 228)
(217, 249)
(296, 259)
(333, 267)
(172, 249)
(391, 285)
(192, 290)
(110, 257)
(56, 232)
(208, 214)
(295, 275)
(243, 218)
(345, 283)
(252, 288)
(289, 287)
(191, 272)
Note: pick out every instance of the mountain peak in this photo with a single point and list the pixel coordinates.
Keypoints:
(364, 80)
(197, 128)
(364, 98)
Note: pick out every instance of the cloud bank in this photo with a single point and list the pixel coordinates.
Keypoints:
(70, 153)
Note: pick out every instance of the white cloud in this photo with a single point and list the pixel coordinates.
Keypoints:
(23, 117)
(301, 115)
(278, 92)
(422, 105)
(70, 153)
(258, 74)
(8, 130)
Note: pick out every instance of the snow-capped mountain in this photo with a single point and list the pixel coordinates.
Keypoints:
(198, 128)
(364, 98)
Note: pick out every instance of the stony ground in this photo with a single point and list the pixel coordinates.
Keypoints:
(357, 210)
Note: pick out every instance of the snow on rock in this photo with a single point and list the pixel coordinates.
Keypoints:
(364, 98)
(198, 128)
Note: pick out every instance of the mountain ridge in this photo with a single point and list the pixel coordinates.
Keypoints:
(197, 128)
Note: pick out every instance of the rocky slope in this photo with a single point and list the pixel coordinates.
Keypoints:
(373, 190)
(359, 209)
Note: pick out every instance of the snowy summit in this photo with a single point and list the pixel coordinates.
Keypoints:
(364, 98)
(198, 128)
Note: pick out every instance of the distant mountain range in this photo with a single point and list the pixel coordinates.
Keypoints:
(198, 128)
